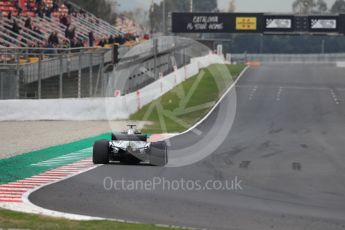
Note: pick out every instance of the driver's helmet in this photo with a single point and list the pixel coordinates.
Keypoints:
(131, 131)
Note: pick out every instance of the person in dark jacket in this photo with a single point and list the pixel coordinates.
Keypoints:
(54, 39)
(40, 12)
(17, 6)
(70, 32)
(28, 5)
(9, 16)
(15, 27)
(56, 5)
(111, 40)
(91, 39)
(28, 23)
(102, 42)
(48, 12)
(38, 3)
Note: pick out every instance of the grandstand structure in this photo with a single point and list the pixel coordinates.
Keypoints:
(55, 49)
(37, 23)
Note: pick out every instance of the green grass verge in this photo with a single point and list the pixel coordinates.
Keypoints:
(188, 102)
(16, 220)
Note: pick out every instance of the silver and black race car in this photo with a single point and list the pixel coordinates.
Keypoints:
(130, 147)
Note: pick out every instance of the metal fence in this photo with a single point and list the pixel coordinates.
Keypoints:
(52, 73)
(31, 73)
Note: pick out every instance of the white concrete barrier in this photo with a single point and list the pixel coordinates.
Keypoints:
(341, 64)
(101, 108)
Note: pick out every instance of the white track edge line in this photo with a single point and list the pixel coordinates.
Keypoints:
(216, 105)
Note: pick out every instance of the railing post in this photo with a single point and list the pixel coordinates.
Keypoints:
(90, 73)
(79, 75)
(68, 63)
(18, 76)
(102, 75)
(61, 78)
(40, 77)
(155, 52)
(1, 86)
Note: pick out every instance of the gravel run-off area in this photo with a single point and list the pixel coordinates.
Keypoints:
(22, 137)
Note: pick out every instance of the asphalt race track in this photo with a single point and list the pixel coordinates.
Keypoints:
(286, 145)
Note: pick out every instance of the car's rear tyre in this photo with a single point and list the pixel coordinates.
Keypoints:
(159, 153)
(101, 152)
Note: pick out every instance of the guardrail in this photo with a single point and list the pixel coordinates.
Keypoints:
(119, 107)
(35, 73)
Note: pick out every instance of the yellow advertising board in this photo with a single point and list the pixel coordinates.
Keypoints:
(246, 23)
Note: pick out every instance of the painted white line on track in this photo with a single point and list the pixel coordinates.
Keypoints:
(292, 87)
(252, 93)
(279, 93)
(215, 106)
(335, 97)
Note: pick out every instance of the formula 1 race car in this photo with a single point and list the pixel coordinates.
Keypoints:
(130, 147)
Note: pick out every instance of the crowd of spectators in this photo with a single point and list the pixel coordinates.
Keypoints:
(56, 39)
(38, 6)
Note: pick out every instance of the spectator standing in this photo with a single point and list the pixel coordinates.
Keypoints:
(40, 11)
(9, 16)
(63, 20)
(17, 6)
(70, 32)
(48, 12)
(54, 39)
(15, 28)
(56, 5)
(111, 40)
(38, 3)
(28, 23)
(91, 39)
(28, 5)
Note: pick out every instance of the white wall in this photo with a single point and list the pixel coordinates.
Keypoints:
(101, 108)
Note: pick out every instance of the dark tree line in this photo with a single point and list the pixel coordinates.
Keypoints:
(338, 7)
(318, 6)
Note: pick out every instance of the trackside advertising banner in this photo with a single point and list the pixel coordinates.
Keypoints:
(216, 23)
(257, 23)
